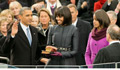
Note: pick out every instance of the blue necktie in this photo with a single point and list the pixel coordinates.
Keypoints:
(29, 36)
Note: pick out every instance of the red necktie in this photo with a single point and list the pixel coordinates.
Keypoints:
(52, 6)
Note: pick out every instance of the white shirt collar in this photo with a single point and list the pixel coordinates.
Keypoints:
(24, 27)
(114, 42)
(75, 23)
(52, 4)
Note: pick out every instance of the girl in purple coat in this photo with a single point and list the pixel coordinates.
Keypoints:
(97, 37)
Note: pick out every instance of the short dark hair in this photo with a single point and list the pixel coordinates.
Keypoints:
(23, 9)
(65, 12)
(102, 18)
(114, 32)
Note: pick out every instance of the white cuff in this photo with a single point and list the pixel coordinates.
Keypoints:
(109, 4)
(12, 36)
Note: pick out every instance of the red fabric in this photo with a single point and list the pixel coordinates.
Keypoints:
(52, 6)
(97, 35)
(56, 54)
(98, 4)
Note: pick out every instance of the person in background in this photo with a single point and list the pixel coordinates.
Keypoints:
(117, 11)
(52, 5)
(84, 28)
(75, 2)
(83, 12)
(3, 26)
(38, 5)
(91, 5)
(82, 7)
(111, 52)
(5, 5)
(113, 17)
(113, 5)
(90, 10)
(82, 4)
(97, 37)
(110, 5)
(15, 7)
(99, 4)
(9, 14)
(35, 20)
(45, 22)
(3, 33)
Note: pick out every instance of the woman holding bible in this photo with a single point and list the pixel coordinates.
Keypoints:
(63, 39)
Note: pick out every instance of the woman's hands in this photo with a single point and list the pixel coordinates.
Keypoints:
(54, 50)
(51, 48)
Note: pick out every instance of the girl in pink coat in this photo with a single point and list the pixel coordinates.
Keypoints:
(97, 37)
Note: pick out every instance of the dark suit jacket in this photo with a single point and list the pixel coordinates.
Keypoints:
(4, 5)
(81, 11)
(2, 39)
(112, 6)
(79, 3)
(84, 13)
(65, 2)
(84, 28)
(91, 4)
(21, 51)
(28, 2)
(110, 53)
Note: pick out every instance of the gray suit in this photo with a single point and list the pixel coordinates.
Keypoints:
(64, 37)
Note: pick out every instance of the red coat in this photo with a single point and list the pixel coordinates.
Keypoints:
(98, 4)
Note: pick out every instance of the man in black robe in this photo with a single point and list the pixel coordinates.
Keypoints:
(110, 53)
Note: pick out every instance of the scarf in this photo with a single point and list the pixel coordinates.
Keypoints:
(97, 35)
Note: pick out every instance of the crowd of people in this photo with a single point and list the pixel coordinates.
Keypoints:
(60, 32)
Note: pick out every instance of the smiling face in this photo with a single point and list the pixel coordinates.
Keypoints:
(60, 20)
(96, 23)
